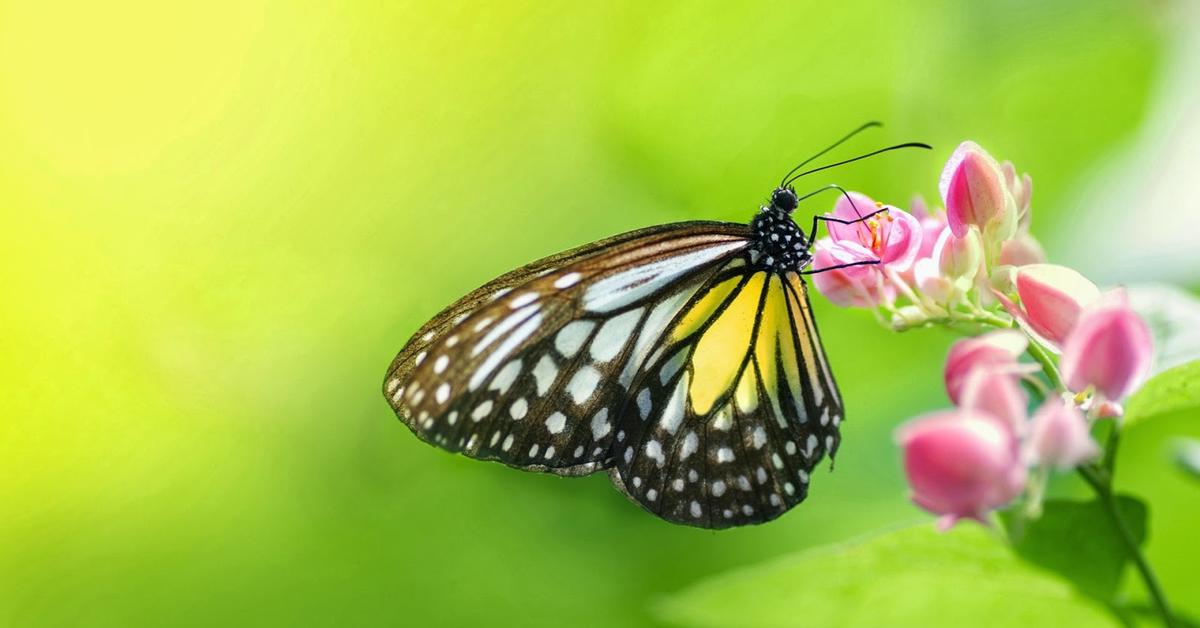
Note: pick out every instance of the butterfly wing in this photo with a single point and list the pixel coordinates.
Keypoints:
(734, 408)
(533, 368)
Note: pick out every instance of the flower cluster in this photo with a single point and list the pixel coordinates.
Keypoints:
(972, 266)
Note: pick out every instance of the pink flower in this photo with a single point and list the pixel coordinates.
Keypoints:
(932, 223)
(893, 237)
(960, 464)
(958, 258)
(997, 349)
(1021, 189)
(1022, 250)
(1109, 348)
(973, 189)
(1052, 298)
(856, 286)
(1058, 436)
(995, 392)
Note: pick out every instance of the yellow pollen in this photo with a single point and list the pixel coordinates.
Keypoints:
(873, 227)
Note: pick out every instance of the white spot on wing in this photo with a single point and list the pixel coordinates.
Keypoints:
(571, 337)
(654, 451)
(504, 327)
(544, 373)
(522, 300)
(672, 414)
(518, 409)
(724, 454)
(614, 335)
(566, 281)
(481, 411)
(759, 437)
(600, 424)
(506, 376)
(627, 286)
(495, 357)
(690, 444)
(556, 422)
(723, 420)
(583, 384)
(643, 402)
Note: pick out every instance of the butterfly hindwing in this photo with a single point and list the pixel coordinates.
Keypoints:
(532, 368)
(727, 421)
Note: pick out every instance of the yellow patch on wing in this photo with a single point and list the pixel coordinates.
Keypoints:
(703, 309)
(723, 346)
(747, 391)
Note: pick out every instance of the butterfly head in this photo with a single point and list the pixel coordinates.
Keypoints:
(784, 199)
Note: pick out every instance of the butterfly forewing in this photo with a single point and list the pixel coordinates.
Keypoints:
(728, 420)
(532, 368)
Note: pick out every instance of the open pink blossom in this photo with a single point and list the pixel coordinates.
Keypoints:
(1109, 348)
(960, 464)
(1052, 298)
(997, 349)
(973, 190)
(893, 237)
(855, 286)
(1058, 436)
(932, 222)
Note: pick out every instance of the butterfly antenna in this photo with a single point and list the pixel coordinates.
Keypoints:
(832, 146)
(870, 154)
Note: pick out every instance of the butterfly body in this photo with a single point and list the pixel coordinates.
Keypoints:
(684, 359)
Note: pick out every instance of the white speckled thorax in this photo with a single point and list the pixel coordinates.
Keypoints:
(779, 244)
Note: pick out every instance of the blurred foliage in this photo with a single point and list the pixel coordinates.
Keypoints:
(220, 220)
(919, 577)
(1094, 561)
(1173, 390)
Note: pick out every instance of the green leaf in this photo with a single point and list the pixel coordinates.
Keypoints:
(913, 576)
(1077, 540)
(1175, 390)
(1187, 455)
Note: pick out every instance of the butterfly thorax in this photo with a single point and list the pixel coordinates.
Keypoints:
(779, 245)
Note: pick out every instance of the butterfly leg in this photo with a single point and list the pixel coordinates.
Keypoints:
(870, 262)
(833, 186)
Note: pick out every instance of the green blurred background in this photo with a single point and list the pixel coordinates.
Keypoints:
(220, 220)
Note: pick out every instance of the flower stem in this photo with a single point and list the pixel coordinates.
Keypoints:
(1038, 353)
(1101, 482)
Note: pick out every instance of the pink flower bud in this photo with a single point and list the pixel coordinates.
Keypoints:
(995, 391)
(1052, 297)
(973, 189)
(997, 349)
(856, 286)
(894, 237)
(1109, 348)
(1058, 436)
(932, 283)
(1021, 189)
(960, 464)
(958, 258)
(1022, 250)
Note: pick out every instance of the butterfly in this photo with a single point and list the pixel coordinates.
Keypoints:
(683, 359)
